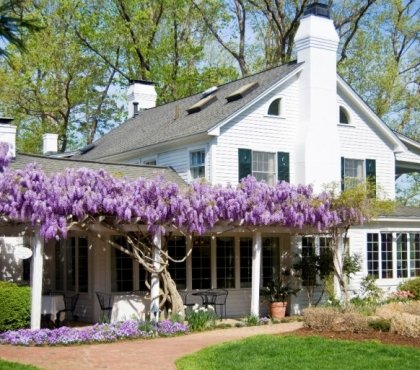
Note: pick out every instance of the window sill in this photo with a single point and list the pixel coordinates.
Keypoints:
(345, 125)
(271, 116)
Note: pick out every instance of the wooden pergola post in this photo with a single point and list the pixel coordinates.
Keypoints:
(36, 281)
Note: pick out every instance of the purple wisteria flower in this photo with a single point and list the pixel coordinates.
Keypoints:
(90, 334)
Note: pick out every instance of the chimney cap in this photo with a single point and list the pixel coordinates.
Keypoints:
(319, 9)
(5, 120)
(143, 82)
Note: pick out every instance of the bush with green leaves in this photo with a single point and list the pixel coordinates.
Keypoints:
(413, 286)
(15, 306)
(380, 324)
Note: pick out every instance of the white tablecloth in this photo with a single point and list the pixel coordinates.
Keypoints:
(51, 304)
(128, 307)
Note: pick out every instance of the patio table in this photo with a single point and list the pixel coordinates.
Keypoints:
(128, 307)
(51, 304)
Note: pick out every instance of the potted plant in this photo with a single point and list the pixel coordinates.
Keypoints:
(277, 293)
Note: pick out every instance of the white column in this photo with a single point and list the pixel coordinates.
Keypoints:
(36, 281)
(256, 269)
(154, 284)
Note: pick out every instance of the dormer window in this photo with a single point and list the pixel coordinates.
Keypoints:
(344, 116)
(275, 107)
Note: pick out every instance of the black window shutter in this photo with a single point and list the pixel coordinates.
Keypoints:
(342, 173)
(283, 167)
(371, 176)
(244, 163)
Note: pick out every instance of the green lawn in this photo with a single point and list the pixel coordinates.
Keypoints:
(292, 352)
(6, 365)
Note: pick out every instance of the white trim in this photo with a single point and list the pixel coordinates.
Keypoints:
(256, 273)
(192, 149)
(397, 145)
(409, 141)
(215, 130)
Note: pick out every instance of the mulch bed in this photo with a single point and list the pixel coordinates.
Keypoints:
(372, 335)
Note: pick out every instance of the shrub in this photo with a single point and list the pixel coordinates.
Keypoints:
(380, 324)
(321, 318)
(15, 306)
(406, 324)
(334, 320)
(413, 286)
(390, 310)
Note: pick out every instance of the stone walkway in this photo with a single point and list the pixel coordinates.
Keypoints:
(154, 354)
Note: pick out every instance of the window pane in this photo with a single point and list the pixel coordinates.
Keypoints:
(386, 254)
(402, 263)
(264, 167)
(177, 250)
(197, 164)
(225, 263)
(246, 262)
(83, 266)
(270, 260)
(373, 254)
(71, 264)
(353, 172)
(201, 272)
(59, 266)
(414, 254)
(122, 268)
(308, 261)
(274, 108)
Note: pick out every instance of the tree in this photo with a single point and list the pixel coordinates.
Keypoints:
(13, 24)
(353, 206)
(56, 87)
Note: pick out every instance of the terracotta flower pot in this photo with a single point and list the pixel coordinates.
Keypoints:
(278, 310)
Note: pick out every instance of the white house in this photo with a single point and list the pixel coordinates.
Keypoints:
(299, 122)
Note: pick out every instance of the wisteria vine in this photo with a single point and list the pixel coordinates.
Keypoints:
(53, 202)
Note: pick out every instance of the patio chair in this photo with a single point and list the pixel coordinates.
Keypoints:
(70, 303)
(189, 299)
(220, 300)
(105, 301)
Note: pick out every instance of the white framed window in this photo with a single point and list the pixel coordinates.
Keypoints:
(276, 108)
(393, 255)
(344, 116)
(264, 167)
(198, 163)
(354, 172)
(72, 265)
(150, 162)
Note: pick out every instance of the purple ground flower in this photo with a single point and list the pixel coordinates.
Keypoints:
(95, 333)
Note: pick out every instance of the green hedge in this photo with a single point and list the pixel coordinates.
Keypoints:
(15, 306)
(413, 285)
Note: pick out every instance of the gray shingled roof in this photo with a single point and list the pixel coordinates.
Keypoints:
(404, 212)
(171, 121)
(131, 171)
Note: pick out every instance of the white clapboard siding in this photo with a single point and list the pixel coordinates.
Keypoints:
(10, 266)
(359, 140)
(254, 130)
(177, 159)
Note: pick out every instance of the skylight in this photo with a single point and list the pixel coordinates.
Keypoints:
(201, 104)
(242, 91)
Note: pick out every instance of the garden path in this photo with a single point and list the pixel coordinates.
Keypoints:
(154, 354)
